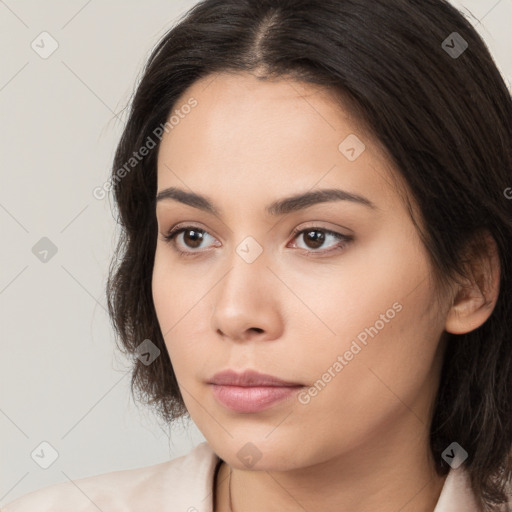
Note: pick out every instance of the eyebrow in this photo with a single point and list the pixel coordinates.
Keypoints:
(280, 207)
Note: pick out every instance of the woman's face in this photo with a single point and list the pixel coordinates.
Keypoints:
(351, 320)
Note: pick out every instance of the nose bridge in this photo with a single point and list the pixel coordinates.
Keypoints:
(248, 268)
(243, 300)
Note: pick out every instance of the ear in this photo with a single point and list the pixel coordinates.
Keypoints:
(474, 300)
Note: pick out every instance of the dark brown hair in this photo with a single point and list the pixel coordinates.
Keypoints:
(444, 116)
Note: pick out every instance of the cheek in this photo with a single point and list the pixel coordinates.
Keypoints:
(179, 299)
(175, 292)
(385, 367)
(370, 288)
(161, 291)
(380, 313)
(374, 383)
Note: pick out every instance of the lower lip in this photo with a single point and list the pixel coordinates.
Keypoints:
(251, 399)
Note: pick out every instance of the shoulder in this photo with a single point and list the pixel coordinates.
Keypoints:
(184, 482)
(457, 494)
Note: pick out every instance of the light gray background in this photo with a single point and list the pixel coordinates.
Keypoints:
(62, 379)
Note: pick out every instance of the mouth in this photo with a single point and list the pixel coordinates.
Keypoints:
(250, 391)
(249, 378)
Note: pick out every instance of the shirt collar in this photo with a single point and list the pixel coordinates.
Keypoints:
(456, 494)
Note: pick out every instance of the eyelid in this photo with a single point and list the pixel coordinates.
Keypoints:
(343, 240)
(180, 228)
(185, 225)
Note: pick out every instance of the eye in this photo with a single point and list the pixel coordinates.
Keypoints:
(192, 238)
(315, 237)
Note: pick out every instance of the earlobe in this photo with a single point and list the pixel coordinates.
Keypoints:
(475, 300)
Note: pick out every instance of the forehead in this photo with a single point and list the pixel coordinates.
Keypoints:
(268, 135)
(231, 104)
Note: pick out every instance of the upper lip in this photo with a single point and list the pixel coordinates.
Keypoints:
(248, 378)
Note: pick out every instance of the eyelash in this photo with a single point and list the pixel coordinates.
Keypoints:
(344, 240)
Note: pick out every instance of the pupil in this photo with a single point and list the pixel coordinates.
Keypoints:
(317, 240)
(197, 236)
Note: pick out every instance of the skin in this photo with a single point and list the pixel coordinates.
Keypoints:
(361, 444)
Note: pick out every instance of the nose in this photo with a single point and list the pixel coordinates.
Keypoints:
(246, 304)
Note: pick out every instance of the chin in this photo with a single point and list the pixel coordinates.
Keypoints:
(282, 453)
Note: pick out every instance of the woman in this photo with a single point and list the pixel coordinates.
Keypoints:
(314, 263)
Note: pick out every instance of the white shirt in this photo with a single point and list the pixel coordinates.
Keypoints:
(184, 484)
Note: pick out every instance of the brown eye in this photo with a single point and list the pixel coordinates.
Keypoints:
(314, 238)
(193, 237)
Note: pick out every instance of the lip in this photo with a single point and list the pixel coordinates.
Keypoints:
(250, 391)
(249, 378)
